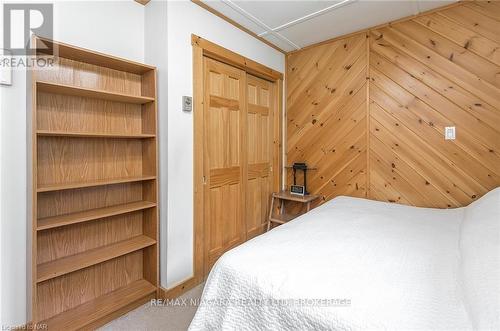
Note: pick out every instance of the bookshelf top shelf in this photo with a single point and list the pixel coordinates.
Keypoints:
(46, 46)
(64, 89)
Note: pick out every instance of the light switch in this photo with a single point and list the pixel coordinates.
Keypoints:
(449, 133)
(5, 69)
(187, 103)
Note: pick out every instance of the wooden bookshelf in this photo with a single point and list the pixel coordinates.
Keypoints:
(94, 182)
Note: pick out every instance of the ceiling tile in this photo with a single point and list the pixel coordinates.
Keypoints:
(353, 17)
(277, 13)
(227, 11)
(350, 17)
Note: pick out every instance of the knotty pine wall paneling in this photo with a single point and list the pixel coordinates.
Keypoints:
(326, 115)
(383, 138)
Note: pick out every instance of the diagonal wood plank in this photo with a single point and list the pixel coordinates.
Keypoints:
(474, 21)
(370, 110)
(325, 93)
(461, 56)
(442, 65)
(419, 162)
(448, 149)
(489, 137)
(415, 178)
(415, 143)
(454, 92)
(487, 8)
(462, 36)
(392, 178)
(431, 123)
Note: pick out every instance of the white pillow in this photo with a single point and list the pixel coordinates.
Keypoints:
(480, 261)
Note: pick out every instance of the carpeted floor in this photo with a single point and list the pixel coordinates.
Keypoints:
(174, 317)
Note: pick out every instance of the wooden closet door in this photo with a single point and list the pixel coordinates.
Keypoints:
(260, 123)
(224, 159)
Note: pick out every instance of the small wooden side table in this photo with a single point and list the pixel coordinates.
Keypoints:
(283, 196)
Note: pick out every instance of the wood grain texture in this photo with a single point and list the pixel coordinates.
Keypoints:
(65, 160)
(224, 55)
(435, 70)
(65, 241)
(66, 265)
(198, 166)
(77, 114)
(261, 109)
(64, 89)
(63, 293)
(326, 115)
(91, 215)
(225, 159)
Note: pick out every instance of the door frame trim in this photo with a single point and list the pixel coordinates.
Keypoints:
(202, 47)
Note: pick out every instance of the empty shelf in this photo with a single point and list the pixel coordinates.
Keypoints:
(51, 47)
(58, 187)
(91, 257)
(48, 133)
(93, 214)
(57, 88)
(94, 310)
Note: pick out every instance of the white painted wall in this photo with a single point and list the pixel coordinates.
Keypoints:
(13, 200)
(113, 27)
(155, 52)
(185, 18)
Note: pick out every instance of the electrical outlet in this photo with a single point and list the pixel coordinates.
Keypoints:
(449, 133)
(187, 103)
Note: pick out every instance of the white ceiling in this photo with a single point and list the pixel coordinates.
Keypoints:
(292, 25)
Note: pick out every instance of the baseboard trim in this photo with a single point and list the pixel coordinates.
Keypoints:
(179, 289)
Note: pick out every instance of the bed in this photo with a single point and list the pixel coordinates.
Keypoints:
(360, 264)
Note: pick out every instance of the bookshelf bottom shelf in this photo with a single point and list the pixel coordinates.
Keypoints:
(93, 311)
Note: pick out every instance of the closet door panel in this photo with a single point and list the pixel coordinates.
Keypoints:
(224, 161)
(260, 112)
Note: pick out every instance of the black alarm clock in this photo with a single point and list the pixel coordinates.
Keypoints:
(297, 189)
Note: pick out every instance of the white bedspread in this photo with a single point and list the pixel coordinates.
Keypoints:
(397, 265)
